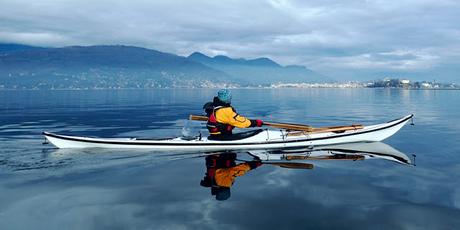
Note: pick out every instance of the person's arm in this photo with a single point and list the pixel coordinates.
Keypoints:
(226, 176)
(229, 116)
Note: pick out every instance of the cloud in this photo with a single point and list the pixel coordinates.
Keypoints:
(37, 38)
(393, 60)
(331, 36)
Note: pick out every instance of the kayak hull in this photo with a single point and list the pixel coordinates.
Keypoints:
(266, 139)
(347, 151)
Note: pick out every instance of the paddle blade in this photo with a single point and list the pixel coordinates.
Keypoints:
(198, 118)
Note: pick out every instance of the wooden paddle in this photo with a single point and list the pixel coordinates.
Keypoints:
(291, 165)
(298, 127)
(335, 129)
(335, 157)
(288, 126)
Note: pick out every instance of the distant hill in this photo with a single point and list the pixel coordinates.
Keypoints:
(259, 71)
(102, 67)
(118, 66)
(8, 48)
(224, 60)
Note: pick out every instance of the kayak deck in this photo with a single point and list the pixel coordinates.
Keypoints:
(261, 139)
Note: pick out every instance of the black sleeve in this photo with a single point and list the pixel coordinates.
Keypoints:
(208, 108)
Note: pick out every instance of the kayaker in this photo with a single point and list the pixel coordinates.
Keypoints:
(222, 117)
(221, 172)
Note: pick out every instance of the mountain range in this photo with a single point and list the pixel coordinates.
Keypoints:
(118, 66)
(259, 71)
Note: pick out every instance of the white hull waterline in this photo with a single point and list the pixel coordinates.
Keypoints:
(263, 139)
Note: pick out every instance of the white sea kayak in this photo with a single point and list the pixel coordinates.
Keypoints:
(255, 139)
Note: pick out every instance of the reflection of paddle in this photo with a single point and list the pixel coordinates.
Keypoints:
(334, 157)
(291, 165)
(298, 127)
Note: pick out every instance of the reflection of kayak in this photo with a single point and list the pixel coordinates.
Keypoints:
(348, 151)
(255, 139)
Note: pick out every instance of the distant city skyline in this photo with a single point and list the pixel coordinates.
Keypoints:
(346, 40)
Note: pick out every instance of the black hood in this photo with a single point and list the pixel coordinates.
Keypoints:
(218, 102)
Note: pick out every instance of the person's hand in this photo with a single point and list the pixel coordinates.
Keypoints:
(257, 123)
(254, 164)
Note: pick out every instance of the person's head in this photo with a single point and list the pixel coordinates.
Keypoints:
(221, 193)
(225, 96)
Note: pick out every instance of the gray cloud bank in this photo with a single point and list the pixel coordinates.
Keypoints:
(343, 39)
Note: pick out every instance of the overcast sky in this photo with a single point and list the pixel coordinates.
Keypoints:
(345, 39)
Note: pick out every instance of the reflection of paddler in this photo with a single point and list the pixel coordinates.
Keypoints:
(221, 172)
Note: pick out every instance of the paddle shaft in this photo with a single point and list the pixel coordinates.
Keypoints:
(291, 165)
(346, 157)
(289, 126)
(272, 124)
(297, 127)
(336, 129)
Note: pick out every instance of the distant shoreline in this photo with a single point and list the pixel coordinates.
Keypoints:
(263, 88)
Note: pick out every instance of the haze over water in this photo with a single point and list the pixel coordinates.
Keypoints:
(45, 188)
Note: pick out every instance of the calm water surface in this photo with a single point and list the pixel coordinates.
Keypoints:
(45, 188)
